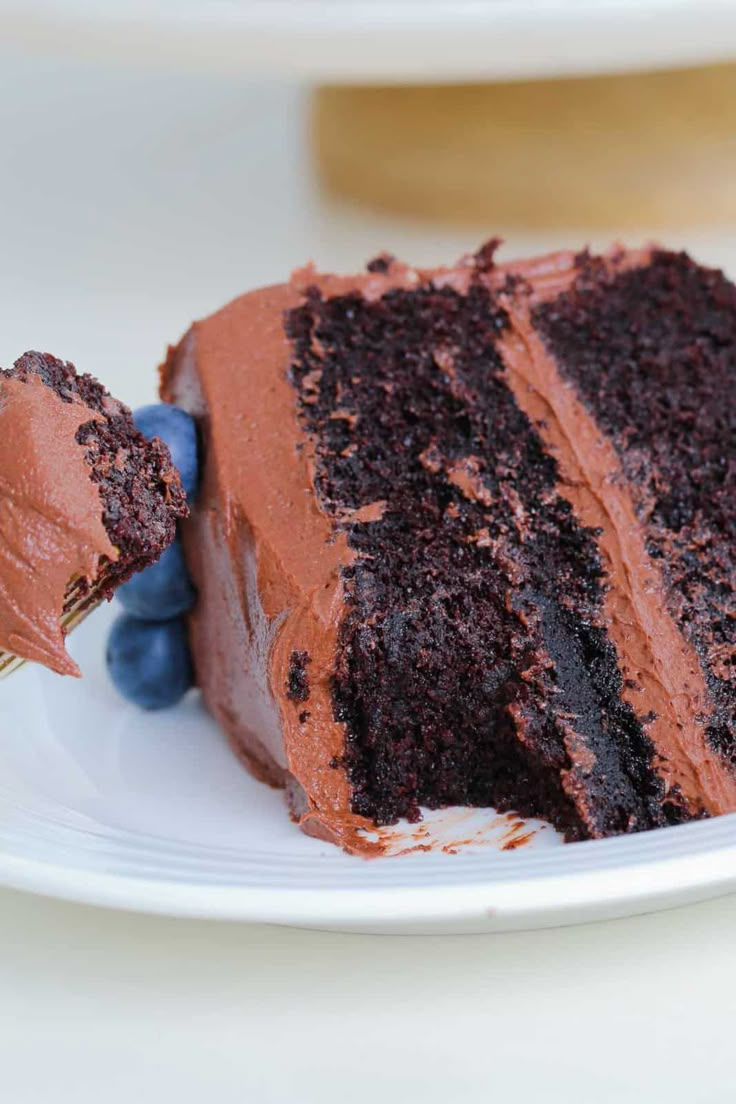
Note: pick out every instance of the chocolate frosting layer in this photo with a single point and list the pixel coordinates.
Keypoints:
(267, 561)
(662, 675)
(51, 527)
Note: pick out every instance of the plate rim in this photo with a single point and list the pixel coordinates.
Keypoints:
(652, 882)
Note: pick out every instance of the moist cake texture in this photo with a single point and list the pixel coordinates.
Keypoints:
(654, 357)
(465, 536)
(85, 501)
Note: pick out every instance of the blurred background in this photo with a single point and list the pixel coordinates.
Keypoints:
(159, 158)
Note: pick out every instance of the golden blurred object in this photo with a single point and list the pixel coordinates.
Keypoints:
(638, 150)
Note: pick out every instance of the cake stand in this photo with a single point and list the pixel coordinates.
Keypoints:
(599, 150)
(375, 41)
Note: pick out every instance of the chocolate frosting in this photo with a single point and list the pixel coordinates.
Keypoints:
(51, 527)
(662, 675)
(267, 560)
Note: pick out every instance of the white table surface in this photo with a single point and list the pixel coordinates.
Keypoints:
(130, 202)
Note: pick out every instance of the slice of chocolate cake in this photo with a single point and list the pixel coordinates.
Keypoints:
(466, 536)
(85, 501)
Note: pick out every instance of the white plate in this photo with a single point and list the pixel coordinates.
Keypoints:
(377, 40)
(104, 804)
(162, 212)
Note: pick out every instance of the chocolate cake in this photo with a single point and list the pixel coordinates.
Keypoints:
(85, 501)
(466, 537)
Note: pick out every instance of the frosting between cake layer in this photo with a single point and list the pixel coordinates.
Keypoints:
(51, 524)
(663, 679)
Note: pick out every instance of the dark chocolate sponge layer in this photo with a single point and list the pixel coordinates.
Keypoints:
(452, 691)
(653, 354)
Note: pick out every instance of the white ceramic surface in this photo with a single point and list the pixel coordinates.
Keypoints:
(102, 803)
(376, 40)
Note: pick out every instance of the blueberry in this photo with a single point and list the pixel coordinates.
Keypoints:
(177, 429)
(149, 661)
(162, 591)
